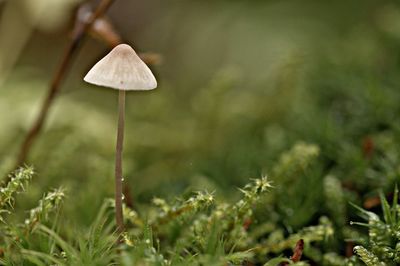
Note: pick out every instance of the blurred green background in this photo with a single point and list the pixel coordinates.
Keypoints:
(240, 82)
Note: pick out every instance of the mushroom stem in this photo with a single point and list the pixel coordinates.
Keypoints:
(118, 163)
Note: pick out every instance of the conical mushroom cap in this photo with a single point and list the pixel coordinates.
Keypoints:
(122, 69)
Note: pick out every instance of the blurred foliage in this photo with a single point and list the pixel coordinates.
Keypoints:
(305, 92)
(383, 235)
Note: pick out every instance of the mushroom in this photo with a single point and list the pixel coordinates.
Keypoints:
(121, 69)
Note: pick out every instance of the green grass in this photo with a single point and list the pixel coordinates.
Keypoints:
(274, 121)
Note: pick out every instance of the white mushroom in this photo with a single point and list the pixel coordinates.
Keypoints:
(121, 69)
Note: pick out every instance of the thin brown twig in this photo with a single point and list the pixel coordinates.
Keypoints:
(78, 36)
(297, 252)
(103, 30)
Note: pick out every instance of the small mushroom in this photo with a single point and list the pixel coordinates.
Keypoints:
(121, 69)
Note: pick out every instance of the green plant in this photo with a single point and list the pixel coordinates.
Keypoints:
(382, 247)
(19, 239)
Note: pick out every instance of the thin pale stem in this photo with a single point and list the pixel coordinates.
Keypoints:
(118, 163)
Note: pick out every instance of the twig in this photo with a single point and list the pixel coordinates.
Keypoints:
(78, 36)
(297, 252)
(103, 30)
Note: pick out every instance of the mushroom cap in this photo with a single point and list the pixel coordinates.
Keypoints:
(122, 69)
